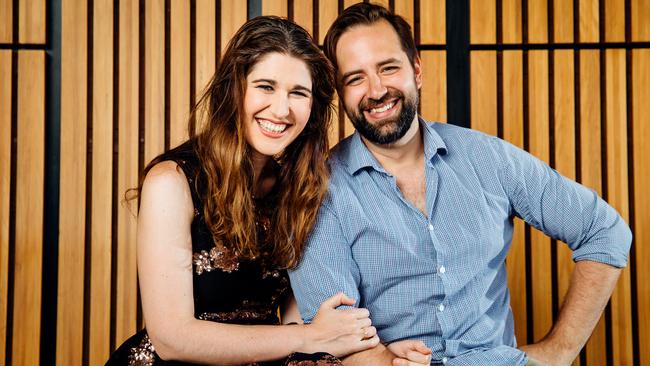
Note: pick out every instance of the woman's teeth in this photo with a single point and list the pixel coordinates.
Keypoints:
(271, 127)
(382, 109)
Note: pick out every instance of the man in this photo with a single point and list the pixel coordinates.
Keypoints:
(418, 219)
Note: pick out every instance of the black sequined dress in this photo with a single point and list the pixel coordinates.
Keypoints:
(226, 289)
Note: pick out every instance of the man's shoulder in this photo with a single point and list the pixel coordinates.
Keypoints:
(462, 142)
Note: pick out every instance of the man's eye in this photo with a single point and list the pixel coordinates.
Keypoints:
(390, 69)
(353, 81)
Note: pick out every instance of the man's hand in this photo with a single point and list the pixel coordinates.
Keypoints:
(544, 352)
(410, 353)
(591, 285)
(402, 353)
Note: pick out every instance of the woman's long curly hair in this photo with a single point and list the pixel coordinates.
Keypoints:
(226, 175)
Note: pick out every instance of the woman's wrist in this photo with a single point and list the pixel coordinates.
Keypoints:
(305, 337)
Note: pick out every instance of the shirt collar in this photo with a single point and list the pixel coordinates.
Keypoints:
(359, 157)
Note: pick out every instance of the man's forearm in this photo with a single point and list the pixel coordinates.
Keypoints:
(591, 286)
(379, 356)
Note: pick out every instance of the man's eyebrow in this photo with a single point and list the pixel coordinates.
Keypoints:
(391, 60)
(379, 64)
(274, 83)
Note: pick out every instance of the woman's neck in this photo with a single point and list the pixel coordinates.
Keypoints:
(263, 179)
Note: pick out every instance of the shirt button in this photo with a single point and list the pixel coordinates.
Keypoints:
(430, 227)
(441, 307)
(442, 269)
(444, 360)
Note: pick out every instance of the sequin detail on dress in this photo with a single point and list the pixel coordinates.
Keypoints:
(319, 359)
(216, 258)
(144, 354)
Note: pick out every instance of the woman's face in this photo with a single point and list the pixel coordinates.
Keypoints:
(277, 103)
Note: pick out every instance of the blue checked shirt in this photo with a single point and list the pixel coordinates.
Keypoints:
(441, 278)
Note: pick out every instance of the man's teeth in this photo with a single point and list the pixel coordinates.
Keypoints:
(382, 109)
(271, 127)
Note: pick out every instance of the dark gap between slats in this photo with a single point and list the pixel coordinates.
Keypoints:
(551, 146)
(115, 196)
(89, 183)
(52, 173)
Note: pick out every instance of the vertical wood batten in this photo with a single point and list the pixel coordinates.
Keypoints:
(31, 21)
(482, 21)
(563, 21)
(179, 78)
(589, 22)
(346, 128)
(327, 12)
(513, 132)
(206, 52)
(275, 7)
(538, 21)
(404, 8)
(483, 91)
(641, 156)
(511, 21)
(434, 86)
(617, 196)
(303, 14)
(72, 202)
(614, 20)
(384, 3)
(102, 183)
(29, 208)
(127, 175)
(590, 156)
(539, 146)
(640, 14)
(233, 15)
(6, 23)
(154, 87)
(5, 182)
(565, 148)
(433, 22)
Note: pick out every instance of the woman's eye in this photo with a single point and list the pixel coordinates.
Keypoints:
(299, 94)
(265, 87)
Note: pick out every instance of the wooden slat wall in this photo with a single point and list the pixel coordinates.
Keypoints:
(6, 72)
(30, 152)
(6, 21)
(72, 206)
(583, 108)
(98, 329)
(132, 69)
(641, 199)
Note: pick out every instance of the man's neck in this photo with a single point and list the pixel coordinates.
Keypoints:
(404, 152)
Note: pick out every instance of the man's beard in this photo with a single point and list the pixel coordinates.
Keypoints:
(389, 130)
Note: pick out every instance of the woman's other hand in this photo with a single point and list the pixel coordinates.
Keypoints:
(410, 353)
(340, 332)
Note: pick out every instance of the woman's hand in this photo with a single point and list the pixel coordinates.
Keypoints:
(340, 332)
(410, 353)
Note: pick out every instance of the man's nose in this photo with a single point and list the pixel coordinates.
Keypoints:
(376, 89)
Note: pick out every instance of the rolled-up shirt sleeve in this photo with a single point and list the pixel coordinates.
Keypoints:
(564, 209)
(326, 267)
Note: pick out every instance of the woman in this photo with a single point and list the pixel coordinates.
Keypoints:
(226, 213)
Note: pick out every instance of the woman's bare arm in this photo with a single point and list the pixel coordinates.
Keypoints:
(165, 274)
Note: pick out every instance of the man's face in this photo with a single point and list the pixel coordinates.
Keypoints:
(378, 85)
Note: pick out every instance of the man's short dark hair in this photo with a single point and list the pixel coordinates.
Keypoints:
(368, 14)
